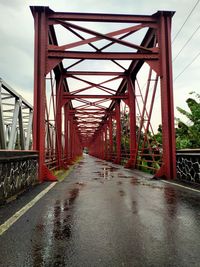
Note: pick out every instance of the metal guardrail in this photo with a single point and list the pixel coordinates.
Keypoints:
(16, 117)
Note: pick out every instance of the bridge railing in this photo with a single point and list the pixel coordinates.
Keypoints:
(16, 117)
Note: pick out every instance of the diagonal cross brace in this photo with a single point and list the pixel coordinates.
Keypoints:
(99, 36)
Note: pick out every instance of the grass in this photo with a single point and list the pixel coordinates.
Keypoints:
(63, 173)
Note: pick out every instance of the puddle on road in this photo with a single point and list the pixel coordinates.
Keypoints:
(73, 195)
(122, 193)
(80, 184)
(121, 175)
(96, 178)
(98, 172)
(62, 231)
(111, 169)
(59, 227)
(105, 173)
(170, 195)
(135, 181)
(134, 207)
(40, 227)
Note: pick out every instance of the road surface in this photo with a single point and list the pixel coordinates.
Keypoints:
(104, 215)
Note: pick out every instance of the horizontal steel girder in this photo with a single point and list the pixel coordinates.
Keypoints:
(56, 54)
(95, 96)
(95, 73)
(101, 17)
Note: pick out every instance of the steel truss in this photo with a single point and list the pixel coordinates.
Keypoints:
(16, 116)
(105, 109)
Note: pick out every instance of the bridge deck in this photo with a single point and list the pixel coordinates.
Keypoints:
(104, 215)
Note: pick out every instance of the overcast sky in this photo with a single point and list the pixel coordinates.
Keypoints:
(17, 31)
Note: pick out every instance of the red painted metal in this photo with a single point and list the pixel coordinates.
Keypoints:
(100, 17)
(99, 36)
(59, 54)
(110, 138)
(39, 93)
(118, 132)
(84, 108)
(101, 73)
(66, 123)
(167, 106)
(132, 115)
(67, 96)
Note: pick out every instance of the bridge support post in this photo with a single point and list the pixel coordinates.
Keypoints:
(71, 140)
(167, 105)
(106, 143)
(102, 144)
(66, 119)
(132, 121)
(59, 122)
(110, 138)
(118, 132)
(41, 38)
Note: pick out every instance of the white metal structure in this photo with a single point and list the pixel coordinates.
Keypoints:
(16, 117)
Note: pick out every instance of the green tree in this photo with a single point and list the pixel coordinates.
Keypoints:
(187, 134)
(158, 135)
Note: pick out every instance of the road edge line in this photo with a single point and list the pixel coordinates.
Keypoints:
(8, 223)
(192, 189)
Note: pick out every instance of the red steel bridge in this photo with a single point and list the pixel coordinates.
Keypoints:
(88, 91)
(102, 85)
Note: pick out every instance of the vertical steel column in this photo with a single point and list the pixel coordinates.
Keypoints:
(103, 143)
(132, 121)
(100, 145)
(118, 132)
(71, 138)
(74, 142)
(96, 148)
(66, 115)
(59, 121)
(110, 138)
(168, 131)
(106, 144)
(39, 87)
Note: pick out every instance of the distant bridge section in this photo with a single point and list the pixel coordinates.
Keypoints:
(16, 117)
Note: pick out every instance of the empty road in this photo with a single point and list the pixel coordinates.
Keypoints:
(104, 215)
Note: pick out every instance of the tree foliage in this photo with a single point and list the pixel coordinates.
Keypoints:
(187, 134)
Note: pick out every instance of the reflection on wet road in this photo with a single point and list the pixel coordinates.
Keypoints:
(104, 215)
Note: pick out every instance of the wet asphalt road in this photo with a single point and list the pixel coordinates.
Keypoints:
(104, 215)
